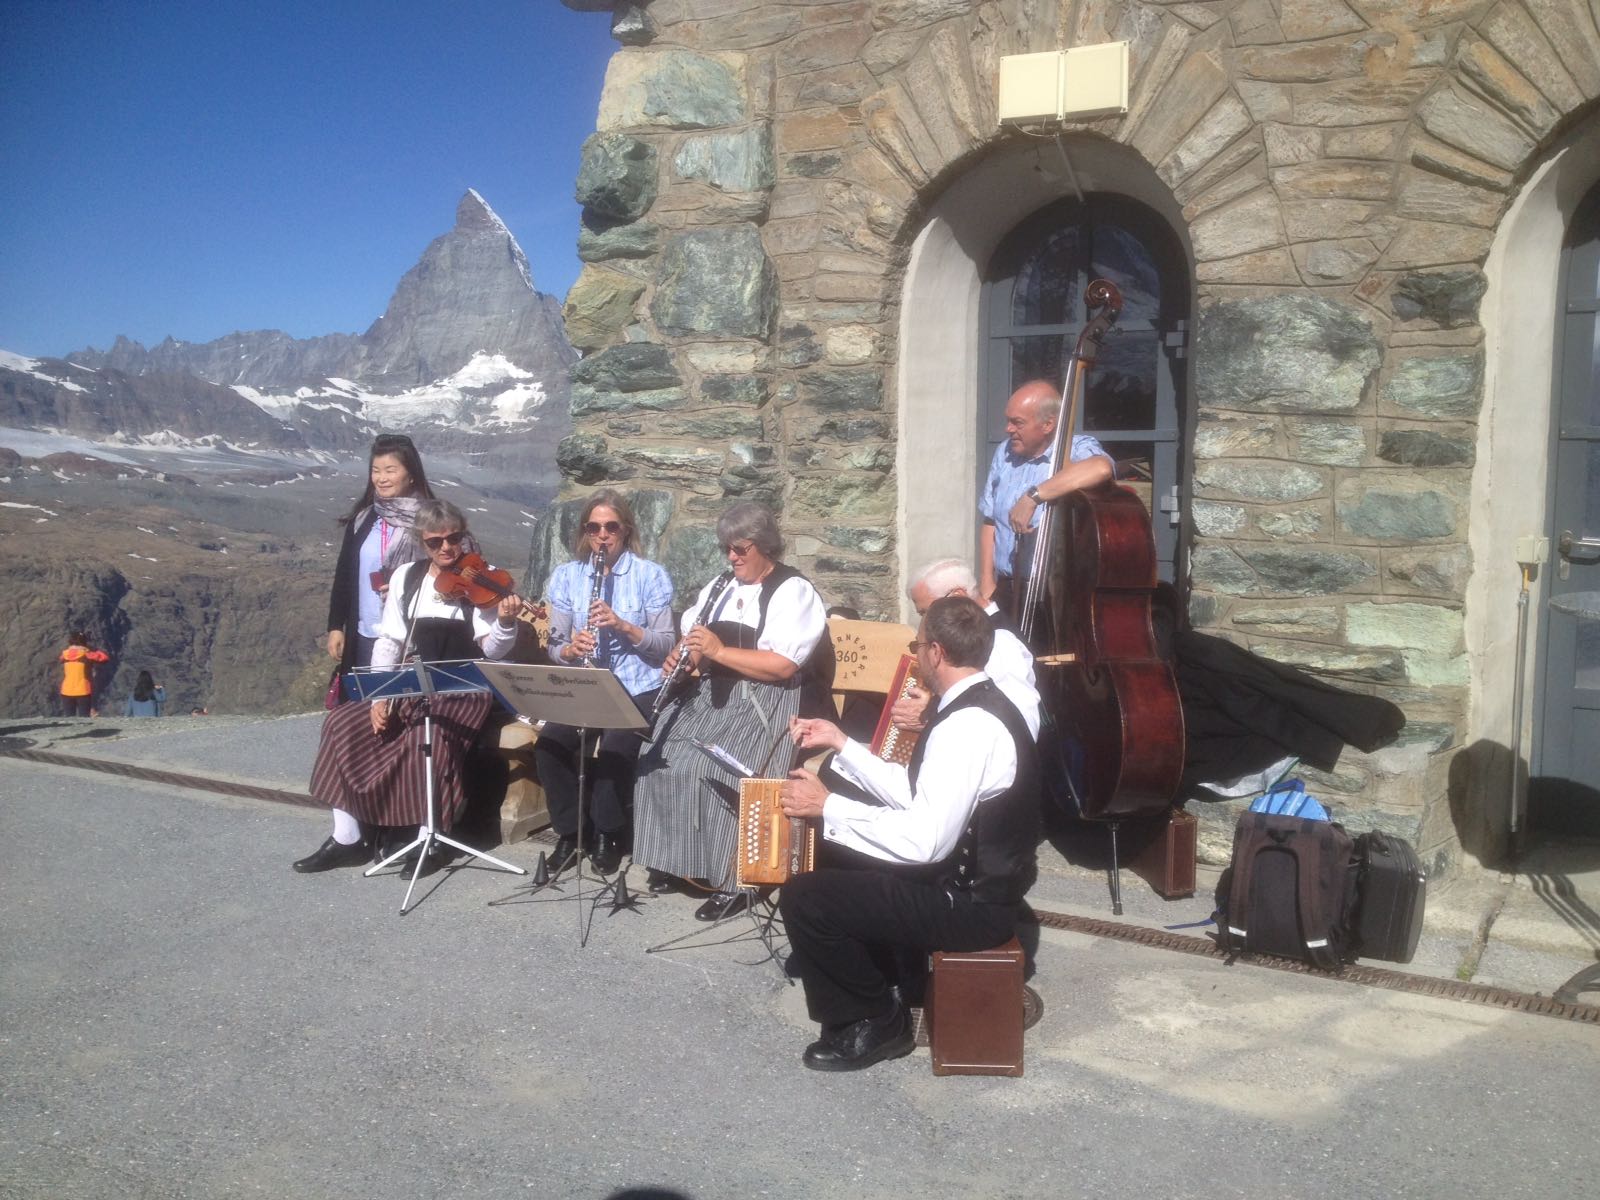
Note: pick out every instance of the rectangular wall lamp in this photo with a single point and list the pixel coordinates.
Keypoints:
(1086, 81)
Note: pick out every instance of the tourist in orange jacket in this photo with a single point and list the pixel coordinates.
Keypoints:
(77, 675)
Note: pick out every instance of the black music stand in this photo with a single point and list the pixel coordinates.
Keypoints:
(424, 681)
(590, 700)
(764, 924)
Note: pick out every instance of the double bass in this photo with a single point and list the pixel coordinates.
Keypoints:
(1111, 697)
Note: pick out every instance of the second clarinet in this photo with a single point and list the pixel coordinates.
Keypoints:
(681, 668)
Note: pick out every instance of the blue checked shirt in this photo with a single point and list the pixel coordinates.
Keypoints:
(641, 593)
(1009, 478)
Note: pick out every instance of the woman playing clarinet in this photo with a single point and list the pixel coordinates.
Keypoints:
(760, 648)
(609, 608)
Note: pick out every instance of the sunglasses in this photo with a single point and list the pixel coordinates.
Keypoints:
(739, 549)
(594, 527)
(445, 539)
(916, 646)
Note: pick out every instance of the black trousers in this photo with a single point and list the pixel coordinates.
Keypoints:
(845, 925)
(609, 776)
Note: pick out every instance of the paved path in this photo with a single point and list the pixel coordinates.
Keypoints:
(181, 1015)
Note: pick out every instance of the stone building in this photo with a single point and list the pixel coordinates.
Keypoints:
(1355, 367)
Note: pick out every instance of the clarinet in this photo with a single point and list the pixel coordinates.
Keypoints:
(596, 584)
(681, 667)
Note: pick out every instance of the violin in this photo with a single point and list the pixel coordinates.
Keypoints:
(472, 579)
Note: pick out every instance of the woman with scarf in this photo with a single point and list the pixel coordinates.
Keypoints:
(378, 539)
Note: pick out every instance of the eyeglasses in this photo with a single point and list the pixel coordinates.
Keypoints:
(444, 539)
(739, 549)
(594, 527)
(916, 646)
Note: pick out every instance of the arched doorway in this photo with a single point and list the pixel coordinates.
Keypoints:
(1032, 313)
(1564, 784)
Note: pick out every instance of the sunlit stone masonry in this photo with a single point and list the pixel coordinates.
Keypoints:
(815, 264)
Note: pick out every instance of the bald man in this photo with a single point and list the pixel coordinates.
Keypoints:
(1021, 479)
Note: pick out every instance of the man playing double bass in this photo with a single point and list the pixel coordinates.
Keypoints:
(1020, 480)
(941, 863)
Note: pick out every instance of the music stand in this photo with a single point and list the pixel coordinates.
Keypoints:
(424, 680)
(588, 699)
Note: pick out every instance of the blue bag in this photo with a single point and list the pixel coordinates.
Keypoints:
(1290, 799)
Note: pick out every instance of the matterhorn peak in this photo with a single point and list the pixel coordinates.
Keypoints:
(474, 213)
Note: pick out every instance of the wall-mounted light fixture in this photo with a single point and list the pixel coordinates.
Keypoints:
(1086, 81)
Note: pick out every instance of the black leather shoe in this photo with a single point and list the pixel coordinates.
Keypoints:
(722, 904)
(857, 1046)
(659, 883)
(333, 854)
(563, 856)
(607, 856)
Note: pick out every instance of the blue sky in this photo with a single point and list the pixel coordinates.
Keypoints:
(193, 168)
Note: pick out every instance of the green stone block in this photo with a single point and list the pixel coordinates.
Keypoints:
(1399, 516)
(716, 281)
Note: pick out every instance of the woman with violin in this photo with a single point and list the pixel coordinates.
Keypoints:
(378, 538)
(370, 766)
(609, 608)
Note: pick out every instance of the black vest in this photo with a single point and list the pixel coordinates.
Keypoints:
(996, 860)
(437, 639)
(816, 673)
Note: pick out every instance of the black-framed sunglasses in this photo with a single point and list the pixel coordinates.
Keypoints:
(445, 539)
(594, 527)
(742, 549)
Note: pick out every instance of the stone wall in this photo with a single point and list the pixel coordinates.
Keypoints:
(759, 171)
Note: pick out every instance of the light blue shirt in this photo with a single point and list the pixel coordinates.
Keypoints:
(370, 559)
(1009, 478)
(641, 594)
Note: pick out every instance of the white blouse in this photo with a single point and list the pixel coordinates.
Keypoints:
(796, 618)
(487, 631)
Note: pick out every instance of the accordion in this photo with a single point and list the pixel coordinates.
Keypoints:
(772, 847)
(889, 741)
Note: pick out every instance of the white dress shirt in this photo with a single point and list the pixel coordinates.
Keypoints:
(1010, 665)
(968, 759)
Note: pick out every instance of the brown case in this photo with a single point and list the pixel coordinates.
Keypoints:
(1166, 862)
(974, 1011)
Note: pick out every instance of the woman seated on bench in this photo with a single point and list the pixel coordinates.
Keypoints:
(370, 766)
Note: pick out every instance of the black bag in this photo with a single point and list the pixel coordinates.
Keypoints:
(1290, 890)
(1393, 888)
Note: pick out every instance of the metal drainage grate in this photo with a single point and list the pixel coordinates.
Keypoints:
(1381, 977)
(225, 787)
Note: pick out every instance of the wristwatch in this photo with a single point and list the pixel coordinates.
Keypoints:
(1033, 494)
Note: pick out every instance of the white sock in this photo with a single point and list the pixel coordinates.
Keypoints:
(346, 829)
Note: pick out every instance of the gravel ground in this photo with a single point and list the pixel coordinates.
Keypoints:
(181, 1015)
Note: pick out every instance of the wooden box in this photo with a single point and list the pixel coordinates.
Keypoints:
(974, 1011)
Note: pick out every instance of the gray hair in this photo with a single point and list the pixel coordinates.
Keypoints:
(945, 575)
(433, 515)
(748, 521)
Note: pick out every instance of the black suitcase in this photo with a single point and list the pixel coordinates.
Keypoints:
(1393, 892)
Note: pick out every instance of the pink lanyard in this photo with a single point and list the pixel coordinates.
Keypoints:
(383, 539)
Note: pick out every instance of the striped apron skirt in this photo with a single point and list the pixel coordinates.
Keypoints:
(382, 780)
(686, 805)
